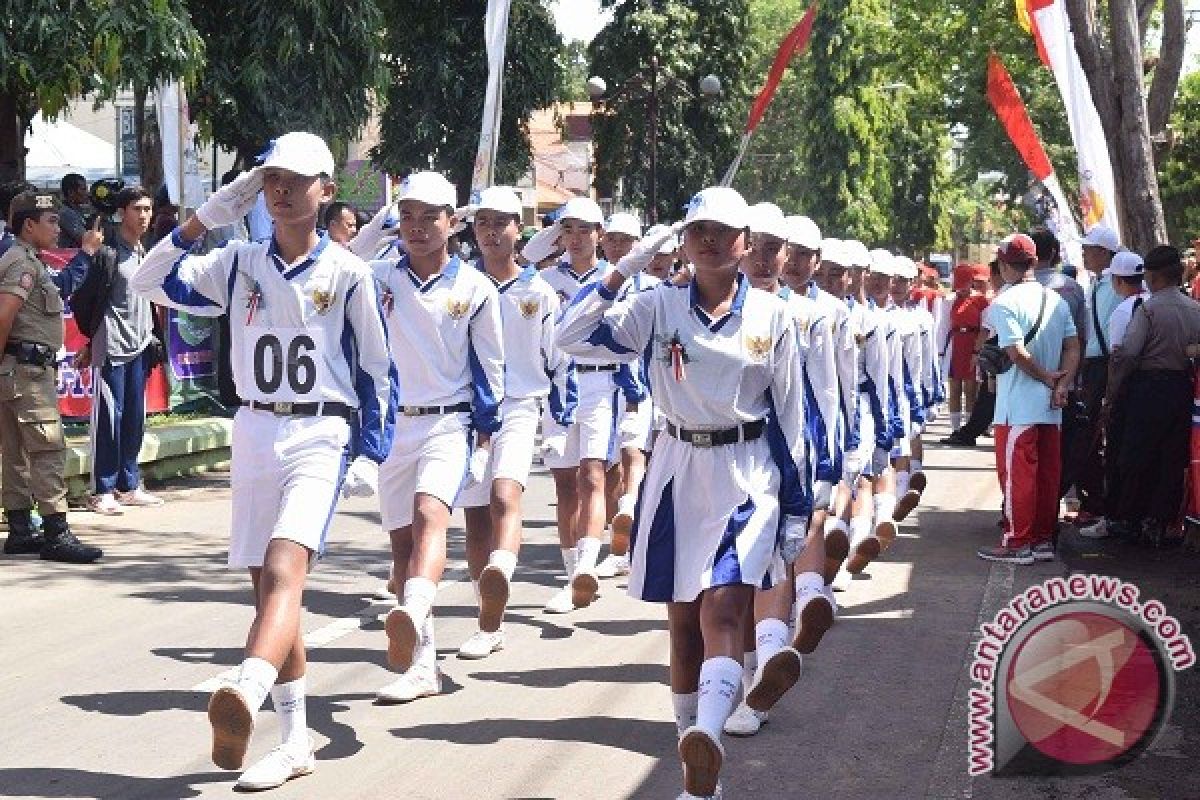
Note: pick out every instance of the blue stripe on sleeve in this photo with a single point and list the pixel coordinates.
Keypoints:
(485, 411)
(183, 293)
(795, 496)
(372, 430)
(817, 437)
(564, 400)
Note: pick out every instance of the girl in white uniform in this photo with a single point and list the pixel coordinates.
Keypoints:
(443, 321)
(534, 371)
(729, 475)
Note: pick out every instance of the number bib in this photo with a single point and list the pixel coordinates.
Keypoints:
(285, 364)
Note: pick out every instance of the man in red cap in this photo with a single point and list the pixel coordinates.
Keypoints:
(1035, 329)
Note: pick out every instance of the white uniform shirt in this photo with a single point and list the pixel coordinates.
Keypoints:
(445, 336)
(821, 383)
(1118, 321)
(930, 375)
(739, 368)
(303, 333)
(870, 332)
(567, 283)
(845, 353)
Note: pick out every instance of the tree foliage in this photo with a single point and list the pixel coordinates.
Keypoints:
(274, 67)
(1180, 173)
(697, 136)
(437, 69)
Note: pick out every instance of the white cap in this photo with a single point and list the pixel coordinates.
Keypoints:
(583, 209)
(1126, 264)
(834, 251)
(804, 232)
(628, 224)
(905, 267)
(768, 219)
(883, 262)
(430, 188)
(499, 198)
(857, 253)
(718, 204)
(1102, 236)
(669, 246)
(301, 153)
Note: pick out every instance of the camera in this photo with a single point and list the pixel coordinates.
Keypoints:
(103, 195)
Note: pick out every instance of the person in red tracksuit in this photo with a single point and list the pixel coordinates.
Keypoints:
(966, 315)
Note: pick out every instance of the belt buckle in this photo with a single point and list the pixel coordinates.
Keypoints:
(282, 409)
(411, 411)
(702, 439)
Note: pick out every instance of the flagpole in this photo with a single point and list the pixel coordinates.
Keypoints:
(731, 173)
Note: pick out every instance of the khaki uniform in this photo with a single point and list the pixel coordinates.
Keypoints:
(31, 431)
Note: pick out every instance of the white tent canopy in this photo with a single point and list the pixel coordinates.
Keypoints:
(56, 148)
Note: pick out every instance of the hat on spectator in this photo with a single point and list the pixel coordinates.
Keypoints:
(803, 232)
(768, 219)
(1126, 264)
(302, 153)
(1017, 250)
(32, 201)
(625, 223)
(1102, 236)
(430, 188)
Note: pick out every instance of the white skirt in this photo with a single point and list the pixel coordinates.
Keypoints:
(706, 516)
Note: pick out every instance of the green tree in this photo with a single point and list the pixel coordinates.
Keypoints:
(138, 46)
(438, 73)
(46, 60)
(274, 67)
(697, 137)
(1179, 175)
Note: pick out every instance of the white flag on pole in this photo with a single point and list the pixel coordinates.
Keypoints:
(495, 33)
(178, 146)
(1097, 194)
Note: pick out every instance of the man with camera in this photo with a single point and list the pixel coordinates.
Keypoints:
(72, 220)
(31, 433)
(1036, 331)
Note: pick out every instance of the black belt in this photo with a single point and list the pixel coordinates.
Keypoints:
(743, 433)
(962, 329)
(32, 353)
(306, 409)
(424, 411)
(597, 367)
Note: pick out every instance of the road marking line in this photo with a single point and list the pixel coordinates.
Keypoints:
(329, 633)
(899, 613)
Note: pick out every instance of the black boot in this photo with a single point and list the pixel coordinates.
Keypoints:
(22, 538)
(62, 545)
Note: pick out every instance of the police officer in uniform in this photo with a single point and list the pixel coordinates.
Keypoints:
(31, 432)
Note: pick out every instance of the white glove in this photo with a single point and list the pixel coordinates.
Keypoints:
(362, 478)
(822, 495)
(477, 467)
(795, 532)
(370, 236)
(543, 244)
(230, 203)
(645, 250)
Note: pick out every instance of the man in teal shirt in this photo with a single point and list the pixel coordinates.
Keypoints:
(1099, 246)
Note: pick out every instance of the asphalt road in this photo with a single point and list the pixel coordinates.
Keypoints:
(104, 671)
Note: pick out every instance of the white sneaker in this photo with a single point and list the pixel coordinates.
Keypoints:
(412, 685)
(717, 795)
(613, 566)
(1097, 530)
(279, 766)
(482, 644)
(561, 602)
(842, 580)
(105, 504)
(745, 721)
(138, 497)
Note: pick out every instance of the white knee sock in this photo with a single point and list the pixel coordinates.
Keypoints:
(505, 561)
(770, 636)
(749, 671)
(419, 594)
(885, 504)
(589, 552)
(685, 710)
(255, 679)
(288, 699)
(917, 465)
(860, 528)
(837, 524)
(425, 657)
(902, 477)
(719, 679)
(570, 559)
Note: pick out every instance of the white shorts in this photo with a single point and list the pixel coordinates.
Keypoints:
(512, 450)
(286, 474)
(429, 455)
(635, 427)
(594, 434)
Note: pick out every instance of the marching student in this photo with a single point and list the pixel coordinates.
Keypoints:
(311, 363)
(773, 657)
(901, 339)
(912, 384)
(447, 314)
(578, 455)
(534, 372)
(731, 471)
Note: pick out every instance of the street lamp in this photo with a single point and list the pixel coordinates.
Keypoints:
(597, 88)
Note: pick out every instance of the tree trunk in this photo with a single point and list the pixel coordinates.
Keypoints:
(12, 140)
(1170, 65)
(149, 144)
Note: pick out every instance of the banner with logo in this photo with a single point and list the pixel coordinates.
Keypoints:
(191, 356)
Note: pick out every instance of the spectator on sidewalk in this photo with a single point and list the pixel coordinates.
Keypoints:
(72, 215)
(1035, 329)
(1100, 245)
(985, 401)
(1150, 379)
(122, 351)
(966, 315)
(341, 221)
